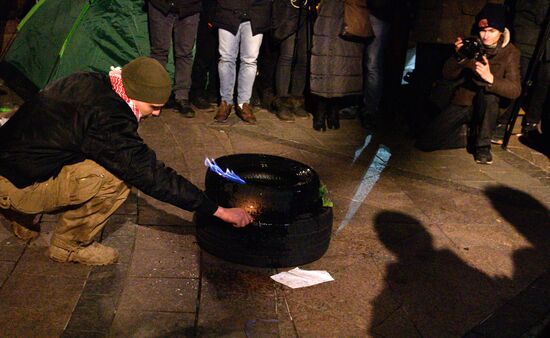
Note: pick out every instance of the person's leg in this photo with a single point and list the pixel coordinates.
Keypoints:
(249, 50)
(485, 123)
(487, 120)
(284, 67)
(283, 75)
(446, 130)
(88, 194)
(299, 73)
(202, 61)
(537, 98)
(229, 49)
(160, 33)
(185, 32)
(265, 82)
(374, 72)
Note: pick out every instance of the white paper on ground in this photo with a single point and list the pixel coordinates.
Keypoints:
(298, 278)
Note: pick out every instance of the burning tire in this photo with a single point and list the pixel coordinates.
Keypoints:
(291, 226)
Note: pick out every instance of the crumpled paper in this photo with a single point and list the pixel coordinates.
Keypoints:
(298, 278)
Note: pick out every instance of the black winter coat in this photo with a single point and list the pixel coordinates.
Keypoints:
(183, 8)
(336, 63)
(230, 14)
(80, 117)
(528, 25)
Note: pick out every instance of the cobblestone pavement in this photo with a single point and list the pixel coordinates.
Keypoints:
(441, 247)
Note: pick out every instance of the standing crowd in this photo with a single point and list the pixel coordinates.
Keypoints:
(286, 55)
(273, 53)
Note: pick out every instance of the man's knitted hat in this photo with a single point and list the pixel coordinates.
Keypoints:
(492, 15)
(145, 79)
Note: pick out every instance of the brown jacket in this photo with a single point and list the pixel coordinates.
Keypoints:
(441, 21)
(504, 64)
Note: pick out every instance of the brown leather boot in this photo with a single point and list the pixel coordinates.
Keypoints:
(297, 104)
(23, 226)
(224, 110)
(282, 109)
(246, 114)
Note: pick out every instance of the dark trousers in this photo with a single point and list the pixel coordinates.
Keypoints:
(205, 80)
(484, 121)
(446, 129)
(430, 58)
(538, 103)
(163, 30)
(267, 64)
(290, 76)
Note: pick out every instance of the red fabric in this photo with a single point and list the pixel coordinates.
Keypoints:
(116, 83)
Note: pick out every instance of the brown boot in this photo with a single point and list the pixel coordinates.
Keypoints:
(246, 114)
(93, 254)
(224, 109)
(297, 104)
(23, 226)
(24, 233)
(282, 109)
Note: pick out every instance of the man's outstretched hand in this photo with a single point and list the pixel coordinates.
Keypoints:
(236, 216)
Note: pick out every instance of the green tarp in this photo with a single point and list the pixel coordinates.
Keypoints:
(60, 37)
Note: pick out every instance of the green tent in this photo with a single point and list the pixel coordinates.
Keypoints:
(60, 37)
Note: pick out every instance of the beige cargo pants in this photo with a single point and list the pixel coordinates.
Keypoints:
(86, 194)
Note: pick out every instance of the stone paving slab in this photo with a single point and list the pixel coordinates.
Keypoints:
(440, 247)
(131, 323)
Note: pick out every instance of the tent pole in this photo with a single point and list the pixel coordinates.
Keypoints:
(68, 38)
(30, 13)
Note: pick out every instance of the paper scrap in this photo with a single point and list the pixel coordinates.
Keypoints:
(298, 278)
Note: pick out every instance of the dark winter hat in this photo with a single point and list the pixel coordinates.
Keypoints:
(145, 79)
(492, 15)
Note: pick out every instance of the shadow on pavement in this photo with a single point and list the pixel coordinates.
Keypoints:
(441, 295)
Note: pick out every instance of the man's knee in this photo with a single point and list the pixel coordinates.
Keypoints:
(89, 179)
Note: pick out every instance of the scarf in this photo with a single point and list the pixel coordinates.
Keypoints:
(116, 83)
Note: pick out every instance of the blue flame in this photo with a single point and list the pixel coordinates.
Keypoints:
(227, 174)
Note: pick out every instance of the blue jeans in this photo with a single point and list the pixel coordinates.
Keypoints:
(373, 74)
(229, 46)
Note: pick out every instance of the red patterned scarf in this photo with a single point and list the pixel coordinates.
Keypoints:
(116, 83)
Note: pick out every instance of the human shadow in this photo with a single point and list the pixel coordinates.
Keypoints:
(433, 292)
(531, 219)
(430, 292)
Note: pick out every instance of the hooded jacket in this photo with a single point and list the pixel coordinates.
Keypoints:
(80, 117)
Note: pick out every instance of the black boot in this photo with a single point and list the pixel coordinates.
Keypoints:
(333, 118)
(320, 116)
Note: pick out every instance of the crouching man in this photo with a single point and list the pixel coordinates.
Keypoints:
(486, 86)
(75, 148)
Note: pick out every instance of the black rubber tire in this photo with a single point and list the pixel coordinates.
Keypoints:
(302, 241)
(277, 190)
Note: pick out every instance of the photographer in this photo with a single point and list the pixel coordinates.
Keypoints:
(489, 76)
